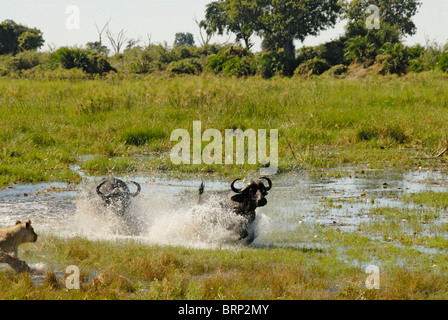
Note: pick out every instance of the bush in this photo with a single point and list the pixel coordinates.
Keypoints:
(338, 70)
(239, 67)
(332, 52)
(359, 49)
(70, 58)
(89, 61)
(306, 53)
(185, 66)
(376, 37)
(158, 57)
(416, 65)
(98, 64)
(152, 58)
(443, 62)
(269, 64)
(27, 60)
(136, 60)
(394, 58)
(415, 52)
(312, 67)
(424, 58)
(232, 61)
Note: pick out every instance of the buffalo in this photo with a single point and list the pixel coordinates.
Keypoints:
(242, 202)
(116, 194)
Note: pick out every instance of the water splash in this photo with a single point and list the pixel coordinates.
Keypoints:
(160, 219)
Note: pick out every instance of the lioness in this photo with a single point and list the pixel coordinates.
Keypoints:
(12, 237)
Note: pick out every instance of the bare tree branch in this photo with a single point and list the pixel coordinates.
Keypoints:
(203, 41)
(100, 33)
(149, 36)
(117, 41)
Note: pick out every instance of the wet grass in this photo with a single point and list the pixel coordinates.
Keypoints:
(430, 198)
(48, 124)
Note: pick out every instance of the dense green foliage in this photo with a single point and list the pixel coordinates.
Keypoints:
(16, 37)
(277, 22)
(89, 61)
(312, 67)
(183, 39)
(395, 14)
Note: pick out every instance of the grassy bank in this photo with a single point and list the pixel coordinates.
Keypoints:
(125, 124)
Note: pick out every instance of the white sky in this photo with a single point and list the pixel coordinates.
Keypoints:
(161, 19)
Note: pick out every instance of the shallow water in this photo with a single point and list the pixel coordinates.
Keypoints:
(166, 213)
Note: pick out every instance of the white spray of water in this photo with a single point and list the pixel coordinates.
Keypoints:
(163, 220)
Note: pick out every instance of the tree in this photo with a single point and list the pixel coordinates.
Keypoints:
(394, 13)
(232, 16)
(183, 39)
(16, 37)
(277, 22)
(100, 32)
(30, 40)
(98, 47)
(395, 17)
(284, 21)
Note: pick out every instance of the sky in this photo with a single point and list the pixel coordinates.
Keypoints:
(72, 22)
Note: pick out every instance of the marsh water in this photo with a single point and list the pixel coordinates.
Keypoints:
(166, 210)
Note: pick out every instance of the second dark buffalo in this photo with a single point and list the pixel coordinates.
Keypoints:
(242, 202)
(116, 194)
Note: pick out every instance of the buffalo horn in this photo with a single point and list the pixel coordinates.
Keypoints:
(233, 187)
(269, 183)
(138, 189)
(98, 189)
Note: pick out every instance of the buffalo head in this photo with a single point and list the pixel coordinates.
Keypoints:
(116, 194)
(253, 194)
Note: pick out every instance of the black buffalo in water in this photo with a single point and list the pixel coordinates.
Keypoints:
(242, 202)
(116, 194)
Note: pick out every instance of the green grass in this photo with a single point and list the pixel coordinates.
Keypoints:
(140, 136)
(430, 198)
(379, 122)
(105, 165)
